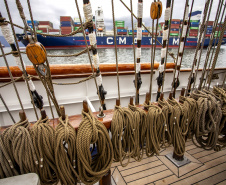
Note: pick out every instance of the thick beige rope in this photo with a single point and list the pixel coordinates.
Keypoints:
(156, 128)
(18, 144)
(43, 136)
(92, 168)
(139, 117)
(65, 152)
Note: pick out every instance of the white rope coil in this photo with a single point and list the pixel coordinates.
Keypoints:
(186, 13)
(161, 68)
(96, 61)
(137, 67)
(99, 80)
(88, 12)
(165, 34)
(163, 53)
(181, 47)
(7, 34)
(31, 85)
(138, 52)
(167, 14)
(178, 60)
(139, 33)
(140, 10)
(92, 38)
(17, 59)
(184, 30)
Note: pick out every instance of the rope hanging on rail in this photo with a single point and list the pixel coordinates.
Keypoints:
(18, 144)
(65, 151)
(43, 138)
(93, 165)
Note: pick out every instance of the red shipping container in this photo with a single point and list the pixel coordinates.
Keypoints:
(207, 35)
(194, 31)
(224, 36)
(145, 33)
(65, 32)
(122, 28)
(46, 23)
(54, 30)
(178, 20)
(174, 32)
(66, 18)
(210, 23)
(122, 33)
(175, 26)
(43, 29)
(193, 34)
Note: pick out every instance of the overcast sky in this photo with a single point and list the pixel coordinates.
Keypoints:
(51, 10)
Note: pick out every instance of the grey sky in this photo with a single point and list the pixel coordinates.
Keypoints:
(44, 10)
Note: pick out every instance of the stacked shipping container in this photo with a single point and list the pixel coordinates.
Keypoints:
(175, 27)
(120, 26)
(194, 28)
(66, 25)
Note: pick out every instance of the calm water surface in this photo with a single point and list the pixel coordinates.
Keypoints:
(124, 56)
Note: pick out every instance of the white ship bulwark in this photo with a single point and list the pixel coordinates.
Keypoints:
(71, 96)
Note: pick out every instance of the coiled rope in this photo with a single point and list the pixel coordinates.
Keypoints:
(139, 117)
(43, 138)
(156, 129)
(123, 134)
(18, 144)
(207, 121)
(65, 152)
(179, 127)
(92, 168)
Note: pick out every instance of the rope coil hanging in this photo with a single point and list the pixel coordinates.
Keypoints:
(92, 167)
(65, 151)
(43, 138)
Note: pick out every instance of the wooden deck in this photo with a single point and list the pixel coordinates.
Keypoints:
(206, 167)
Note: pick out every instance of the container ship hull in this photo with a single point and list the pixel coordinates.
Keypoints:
(108, 42)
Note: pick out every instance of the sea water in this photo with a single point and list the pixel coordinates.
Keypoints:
(125, 55)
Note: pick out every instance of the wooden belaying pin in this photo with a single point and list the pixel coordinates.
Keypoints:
(170, 96)
(182, 92)
(118, 102)
(161, 96)
(22, 116)
(147, 98)
(62, 112)
(85, 106)
(131, 100)
(43, 114)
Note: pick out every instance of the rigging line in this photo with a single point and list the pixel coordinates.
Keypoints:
(20, 56)
(167, 46)
(4, 103)
(171, 54)
(32, 20)
(191, 76)
(116, 56)
(215, 43)
(223, 83)
(11, 76)
(202, 45)
(211, 42)
(165, 37)
(152, 65)
(153, 60)
(216, 54)
(180, 54)
(134, 56)
(90, 60)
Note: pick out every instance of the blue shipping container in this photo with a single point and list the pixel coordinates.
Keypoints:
(194, 24)
(131, 31)
(121, 30)
(175, 22)
(65, 23)
(77, 23)
(36, 23)
(145, 31)
(174, 29)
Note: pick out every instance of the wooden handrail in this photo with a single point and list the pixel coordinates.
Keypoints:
(79, 69)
